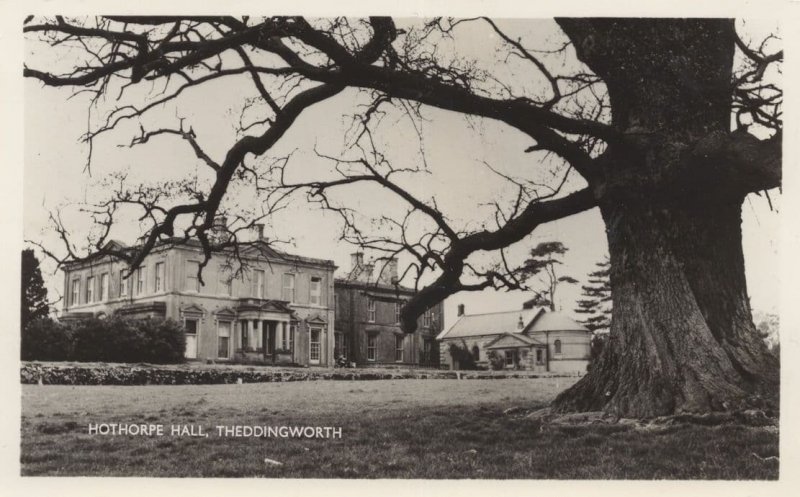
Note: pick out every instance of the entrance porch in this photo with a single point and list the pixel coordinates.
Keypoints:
(265, 332)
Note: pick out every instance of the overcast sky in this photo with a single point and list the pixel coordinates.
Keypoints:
(455, 150)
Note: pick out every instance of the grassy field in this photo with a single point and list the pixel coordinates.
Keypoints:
(390, 429)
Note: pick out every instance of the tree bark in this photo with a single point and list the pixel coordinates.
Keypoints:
(682, 337)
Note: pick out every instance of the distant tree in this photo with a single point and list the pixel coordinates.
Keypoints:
(596, 302)
(542, 263)
(33, 302)
(768, 325)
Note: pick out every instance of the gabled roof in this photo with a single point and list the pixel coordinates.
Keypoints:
(534, 320)
(513, 340)
(494, 323)
(556, 321)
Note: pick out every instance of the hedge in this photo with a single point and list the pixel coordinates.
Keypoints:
(108, 340)
(144, 374)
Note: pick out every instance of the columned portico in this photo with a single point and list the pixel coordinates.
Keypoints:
(264, 328)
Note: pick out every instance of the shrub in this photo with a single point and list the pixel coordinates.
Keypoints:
(108, 340)
(46, 340)
(164, 342)
(462, 355)
(497, 361)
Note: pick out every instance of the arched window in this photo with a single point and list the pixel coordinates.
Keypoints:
(476, 353)
(557, 346)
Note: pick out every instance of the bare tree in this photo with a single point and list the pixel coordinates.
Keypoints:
(643, 117)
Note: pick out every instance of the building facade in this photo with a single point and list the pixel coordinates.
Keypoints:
(279, 311)
(533, 339)
(367, 319)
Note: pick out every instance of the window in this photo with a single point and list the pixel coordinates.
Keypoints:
(371, 310)
(191, 326)
(104, 287)
(538, 356)
(290, 343)
(224, 339)
(260, 279)
(284, 334)
(509, 357)
(315, 345)
(557, 346)
(316, 291)
(288, 287)
(336, 303)
(397, 307)
(76, 292)
(140, 281)
(123, 283)
(192, 283)
(159, 277)
(372, 347)
(90, 289)
(426, 318)
(399, 346)
(476, 353)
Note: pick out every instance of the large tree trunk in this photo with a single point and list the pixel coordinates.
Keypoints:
(682, 337)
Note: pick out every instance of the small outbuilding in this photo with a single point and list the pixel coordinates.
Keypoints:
(533, 339)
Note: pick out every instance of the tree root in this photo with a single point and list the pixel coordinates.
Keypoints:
(747, 417)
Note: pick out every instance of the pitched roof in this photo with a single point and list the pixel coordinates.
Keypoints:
(556, 321)
(493, 323)
(513, 340)
(534, 320)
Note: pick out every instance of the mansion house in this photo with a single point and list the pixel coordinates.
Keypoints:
(280, 311)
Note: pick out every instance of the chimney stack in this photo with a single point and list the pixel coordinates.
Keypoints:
(460, 309)
(258, 229)
(368, 270)
(219, 227)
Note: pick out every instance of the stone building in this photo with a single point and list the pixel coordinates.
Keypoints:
(279, 311)
(532, 339)
(367, 319)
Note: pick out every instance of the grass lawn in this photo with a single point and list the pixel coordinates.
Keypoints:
(390, 429)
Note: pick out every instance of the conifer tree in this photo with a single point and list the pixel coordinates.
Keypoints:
(596, 301)
(34, 304)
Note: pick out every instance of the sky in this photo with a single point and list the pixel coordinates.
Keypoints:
(456, 150)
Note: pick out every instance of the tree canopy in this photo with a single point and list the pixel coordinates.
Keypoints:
(34, 303)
